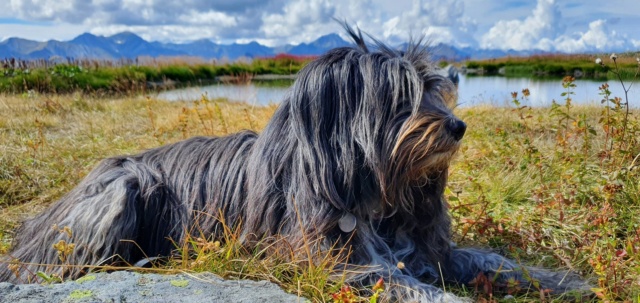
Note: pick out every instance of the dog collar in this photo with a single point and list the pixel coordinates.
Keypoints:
(347, 223)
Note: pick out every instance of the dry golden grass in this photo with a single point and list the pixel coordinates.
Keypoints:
(50, 142)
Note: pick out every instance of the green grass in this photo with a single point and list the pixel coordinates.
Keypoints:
(94, 77)
(558, 66)
(556, 187)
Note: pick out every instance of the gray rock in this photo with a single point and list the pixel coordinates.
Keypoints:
(124, 286)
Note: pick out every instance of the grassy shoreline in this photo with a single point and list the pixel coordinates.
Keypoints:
(141, 76)
(556, 186)
(94, 77)
(556, 66)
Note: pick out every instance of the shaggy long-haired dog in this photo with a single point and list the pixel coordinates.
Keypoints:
(356, 156)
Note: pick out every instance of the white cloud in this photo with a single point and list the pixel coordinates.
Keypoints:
(534, 31)
(365, 14)
(544, 30)
(51, 10)
(277, 22)
(131, 12)
(441, 21)
(299, 21)
(154, 19)
(442, 13)
(211, 17)
(271, 21)
(597, 38)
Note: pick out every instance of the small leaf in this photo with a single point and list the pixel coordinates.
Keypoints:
(44, 276)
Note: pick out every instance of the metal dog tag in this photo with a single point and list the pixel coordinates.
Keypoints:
(347, 223)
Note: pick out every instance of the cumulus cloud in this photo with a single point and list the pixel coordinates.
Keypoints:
(269, 21)
(159, 20)
(131, 12)
(210, 17)
(365, 14)
(277, 22)
(544, 30)
(51, 10)
(598, 37)
(441, 21)
(534, 31)
(298, 20)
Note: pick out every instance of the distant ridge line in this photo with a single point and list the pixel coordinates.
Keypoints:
(127, 45)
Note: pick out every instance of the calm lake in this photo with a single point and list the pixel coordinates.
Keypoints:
(472, 91)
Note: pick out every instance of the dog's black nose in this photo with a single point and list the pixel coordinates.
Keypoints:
(457, 128)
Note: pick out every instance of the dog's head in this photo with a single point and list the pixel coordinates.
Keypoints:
(374, 125)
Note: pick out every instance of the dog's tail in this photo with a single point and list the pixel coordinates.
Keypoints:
(121, 212)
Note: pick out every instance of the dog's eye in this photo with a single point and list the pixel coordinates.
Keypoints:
(450, 98)
(441, 102)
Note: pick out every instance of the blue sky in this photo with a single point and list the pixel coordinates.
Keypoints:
(552, 25)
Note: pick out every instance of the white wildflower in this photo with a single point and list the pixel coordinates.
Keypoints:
(613, 57)
(598, 61)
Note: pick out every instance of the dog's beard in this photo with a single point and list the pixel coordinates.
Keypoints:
(435, 163)
(424, 147)
(419, 163)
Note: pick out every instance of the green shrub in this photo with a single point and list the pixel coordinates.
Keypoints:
(177, 73)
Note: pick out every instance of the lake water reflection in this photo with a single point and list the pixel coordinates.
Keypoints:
(497, 91)
(250, 93)
(472, 91)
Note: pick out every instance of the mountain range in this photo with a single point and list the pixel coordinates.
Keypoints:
(129, 45)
